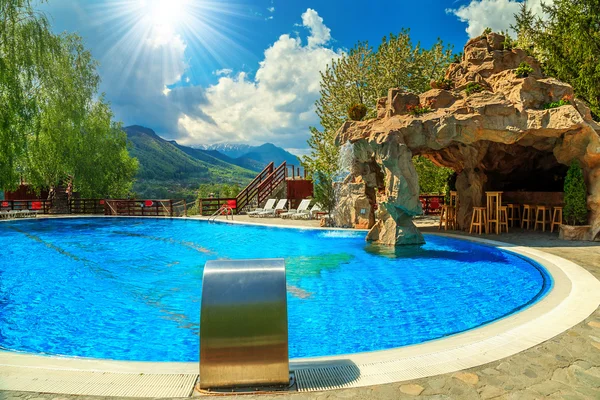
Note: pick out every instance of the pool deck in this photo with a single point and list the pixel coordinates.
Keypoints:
(566, 366)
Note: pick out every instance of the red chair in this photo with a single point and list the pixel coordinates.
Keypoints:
(434, 204)
(5, 204)
(148, 203)
(232, 203)
(36, 205)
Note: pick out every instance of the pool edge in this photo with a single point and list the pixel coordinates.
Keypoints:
(575, 295)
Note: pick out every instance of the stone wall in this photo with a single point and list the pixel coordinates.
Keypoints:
(488, 138)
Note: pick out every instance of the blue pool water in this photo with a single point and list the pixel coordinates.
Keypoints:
(129, 288)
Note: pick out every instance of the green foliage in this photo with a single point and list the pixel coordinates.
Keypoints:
(523, 70)
(562, 102)
(324, 192)
(432, 178)
(473, 87)
(357, 112)
(419, 109)
(444, 83)
(222, 190)
(486, 31)
(508, 42)
(54, 127)
(457, 58)
(568, 44)
(524, 26)
(364, 75)
(575, 211)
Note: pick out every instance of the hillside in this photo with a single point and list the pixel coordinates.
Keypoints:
(170, 170)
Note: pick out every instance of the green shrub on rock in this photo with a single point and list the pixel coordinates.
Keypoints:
(357, 112)
(524, 70)
(473, 87)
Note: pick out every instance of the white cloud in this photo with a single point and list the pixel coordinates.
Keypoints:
(271, 9)
(224, 71)
(276, 105)
(495, 14)
(319, 33)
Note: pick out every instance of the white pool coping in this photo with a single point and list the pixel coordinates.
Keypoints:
(574, 296)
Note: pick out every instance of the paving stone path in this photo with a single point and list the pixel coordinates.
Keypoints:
(565, 367)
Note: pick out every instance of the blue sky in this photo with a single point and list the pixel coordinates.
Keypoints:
(203, 72)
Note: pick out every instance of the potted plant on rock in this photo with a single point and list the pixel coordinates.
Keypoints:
(575, 210)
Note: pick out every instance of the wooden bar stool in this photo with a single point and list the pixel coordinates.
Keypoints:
(544, 210)
(503, 218)
(493, 201)
(443, 217)
(557, 217)
(514, 214)
(528, 210)
(478, 220)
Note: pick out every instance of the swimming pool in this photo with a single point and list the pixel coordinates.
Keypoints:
(129, 288)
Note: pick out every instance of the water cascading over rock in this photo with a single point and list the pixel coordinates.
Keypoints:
(501, 132)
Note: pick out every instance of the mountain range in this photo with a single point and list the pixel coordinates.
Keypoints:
(170, 170)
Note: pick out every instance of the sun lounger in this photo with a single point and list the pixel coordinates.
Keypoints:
(268, 206)
(301, 208)
(308, 214)
(4, 215)
(14, 213)
(273, 213)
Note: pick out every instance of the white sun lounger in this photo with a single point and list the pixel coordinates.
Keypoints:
(4, 214)
(302, 207)
(308, 214)
(273, 213)
(268, 206)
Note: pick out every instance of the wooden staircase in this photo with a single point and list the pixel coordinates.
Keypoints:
(262, 186)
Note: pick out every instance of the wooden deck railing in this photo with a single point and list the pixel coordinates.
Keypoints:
(43, 206)
(142, 208)
(248, 194)
(266, 188)
(210, 205)
(86, 206)
(432, 204)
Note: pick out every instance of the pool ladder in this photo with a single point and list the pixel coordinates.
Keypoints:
(223, 210)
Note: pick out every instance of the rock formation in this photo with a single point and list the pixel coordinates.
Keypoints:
(502, 133)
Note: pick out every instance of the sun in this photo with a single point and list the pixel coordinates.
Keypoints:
(170, 14)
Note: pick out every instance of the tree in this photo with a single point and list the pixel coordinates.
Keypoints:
(362, 76)
(432, 179)
(524, 26)
(26, 47)
(324, 192)
(57, 128)
(569, 46)
(575, 196)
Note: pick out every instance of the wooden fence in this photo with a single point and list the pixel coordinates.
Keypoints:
(87, 206)
(211, 205)
(141, 208)
(43, 206)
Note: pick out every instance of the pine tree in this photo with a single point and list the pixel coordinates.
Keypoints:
(524, 27)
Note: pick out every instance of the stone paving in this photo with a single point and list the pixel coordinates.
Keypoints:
(565, 367)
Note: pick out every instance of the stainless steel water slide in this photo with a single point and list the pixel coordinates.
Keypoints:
(243, 324)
